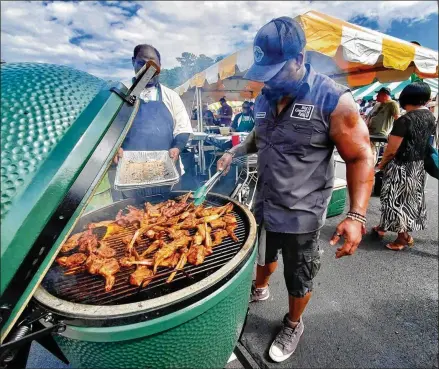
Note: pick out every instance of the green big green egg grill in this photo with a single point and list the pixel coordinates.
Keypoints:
(60, 129)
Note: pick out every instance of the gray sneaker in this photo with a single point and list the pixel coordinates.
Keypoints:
(286, 341)
(259, 294)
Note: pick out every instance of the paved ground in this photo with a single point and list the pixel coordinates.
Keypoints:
(377, 309)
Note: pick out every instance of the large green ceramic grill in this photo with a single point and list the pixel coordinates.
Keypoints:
(60, 130)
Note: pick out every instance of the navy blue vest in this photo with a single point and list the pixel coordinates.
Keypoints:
(295, 164)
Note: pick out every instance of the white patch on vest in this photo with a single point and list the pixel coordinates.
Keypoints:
(261, 114)
(302, 111)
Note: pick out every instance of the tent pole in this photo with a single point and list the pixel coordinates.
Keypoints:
(201, 129)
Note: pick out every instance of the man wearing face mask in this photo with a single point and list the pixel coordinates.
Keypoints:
(243, 121)
(299, 117)
(162, 122)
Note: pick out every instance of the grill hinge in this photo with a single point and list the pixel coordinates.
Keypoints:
(30, 329)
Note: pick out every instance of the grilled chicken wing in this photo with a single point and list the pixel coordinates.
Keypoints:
(72, 261)
(71, 243)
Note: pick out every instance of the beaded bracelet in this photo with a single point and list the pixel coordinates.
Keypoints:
(355, 216)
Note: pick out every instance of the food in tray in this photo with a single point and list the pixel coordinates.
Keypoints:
(139, 172)
(176, 232)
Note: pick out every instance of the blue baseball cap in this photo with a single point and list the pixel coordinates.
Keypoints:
(275, 43)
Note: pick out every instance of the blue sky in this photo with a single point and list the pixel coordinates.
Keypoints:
(99, 36)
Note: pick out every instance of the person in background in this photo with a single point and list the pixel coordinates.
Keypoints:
(162, 122)
(244, 121)
(225, 113)
(384, 113)
(208, 117)
(381, 117)
(402, 196)
(299, 117)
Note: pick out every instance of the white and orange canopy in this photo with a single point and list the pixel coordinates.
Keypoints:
(350, 54)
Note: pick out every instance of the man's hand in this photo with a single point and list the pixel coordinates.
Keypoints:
(174, 153)
(118, 155)
(352, 231)
(224, 163)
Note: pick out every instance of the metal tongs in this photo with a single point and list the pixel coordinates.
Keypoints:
(201, 193)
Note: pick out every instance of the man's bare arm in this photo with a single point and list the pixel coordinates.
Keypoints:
(351, 137)
(248, 146)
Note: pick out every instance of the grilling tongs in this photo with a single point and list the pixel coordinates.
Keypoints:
(200, 194)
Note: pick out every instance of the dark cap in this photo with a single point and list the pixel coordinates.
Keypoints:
(275, 43)
(385, 90)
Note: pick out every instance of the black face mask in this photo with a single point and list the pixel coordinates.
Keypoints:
(288, 89)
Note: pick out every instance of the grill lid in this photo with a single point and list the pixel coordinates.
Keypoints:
(52, 120)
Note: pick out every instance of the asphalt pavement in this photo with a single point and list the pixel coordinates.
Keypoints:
(375, 309)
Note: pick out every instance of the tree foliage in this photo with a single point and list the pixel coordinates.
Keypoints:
(190, 64)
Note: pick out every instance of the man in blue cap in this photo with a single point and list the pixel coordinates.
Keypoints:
(299, 117)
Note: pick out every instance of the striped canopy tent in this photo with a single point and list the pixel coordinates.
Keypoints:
(368, 92)
(350, 54)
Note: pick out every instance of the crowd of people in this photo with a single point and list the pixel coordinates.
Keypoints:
(238, 120)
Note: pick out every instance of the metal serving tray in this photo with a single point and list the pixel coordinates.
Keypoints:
(171, 174)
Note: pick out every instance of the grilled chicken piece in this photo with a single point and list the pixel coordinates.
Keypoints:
(171, 262)
(105, 251)
(189, 223)
(154, 246)
(127, 239)
(177, 233)
(231, 231)
(230, 219)
(177, 208)
(108, 270)
(72, 261)
(88, 242)
(128, 261)
(180, 265)
(169, 249)
(134, 216)
(202, 212)
(197, 254)
(218, 223)
(218, 237)
(71, 243)
(140, 275)
(153, 211)
(232, 223)
(94, 263)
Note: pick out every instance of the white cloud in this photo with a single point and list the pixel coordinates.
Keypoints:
(32, 31)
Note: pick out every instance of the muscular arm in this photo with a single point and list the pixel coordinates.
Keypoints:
(351, 137)
(248, 146)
